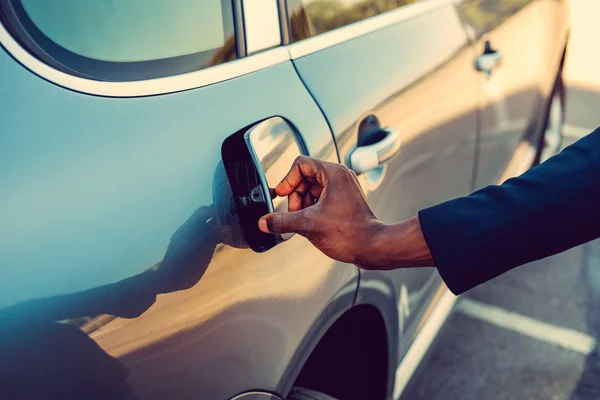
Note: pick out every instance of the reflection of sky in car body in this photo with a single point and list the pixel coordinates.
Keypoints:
(105, 31)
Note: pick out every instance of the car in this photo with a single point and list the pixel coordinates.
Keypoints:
(121, 119)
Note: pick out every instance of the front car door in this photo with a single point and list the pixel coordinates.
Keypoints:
(112, 135)
(402, 67)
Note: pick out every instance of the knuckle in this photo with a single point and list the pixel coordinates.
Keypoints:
(341, 168)
(302, 159)
(276, 223)
(340, 171)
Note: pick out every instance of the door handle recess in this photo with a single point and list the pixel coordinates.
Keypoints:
(488, 61)
(368, 157)
(256, 159)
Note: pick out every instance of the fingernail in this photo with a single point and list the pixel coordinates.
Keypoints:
(262, 225)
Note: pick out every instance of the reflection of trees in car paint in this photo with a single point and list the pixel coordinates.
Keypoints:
(226, 53)
(312, 17)
(484, 15)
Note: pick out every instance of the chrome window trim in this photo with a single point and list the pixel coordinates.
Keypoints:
(340, 35)
(261, 33)
(149, 87)
(220, 73)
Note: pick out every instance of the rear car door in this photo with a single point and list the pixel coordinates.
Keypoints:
(112, 126)
(519, 46)
(382, 70)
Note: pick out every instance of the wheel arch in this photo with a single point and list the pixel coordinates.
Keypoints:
(332, 346)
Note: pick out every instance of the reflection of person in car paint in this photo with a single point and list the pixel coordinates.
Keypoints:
(472, 239)
(44, 355)
(46, 359)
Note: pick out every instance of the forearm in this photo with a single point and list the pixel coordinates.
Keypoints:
(400, 245)
(545, 211)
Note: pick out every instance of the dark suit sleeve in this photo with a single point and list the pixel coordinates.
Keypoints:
(547, 210)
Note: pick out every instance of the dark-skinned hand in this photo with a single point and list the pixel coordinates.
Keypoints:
(327, 206)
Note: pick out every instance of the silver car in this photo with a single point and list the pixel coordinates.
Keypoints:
(138, 140)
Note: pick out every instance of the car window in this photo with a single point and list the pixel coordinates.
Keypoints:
(483, 16)
(124, 39)
(312, 17)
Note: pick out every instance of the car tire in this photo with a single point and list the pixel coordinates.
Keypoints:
(299, 393)
(552, 138)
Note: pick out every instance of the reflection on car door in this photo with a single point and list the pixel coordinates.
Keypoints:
(408, 70)
(522, 35)
(94, 187)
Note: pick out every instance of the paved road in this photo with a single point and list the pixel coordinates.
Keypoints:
(532, 333)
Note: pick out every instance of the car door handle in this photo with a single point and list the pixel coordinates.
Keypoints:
(488, 61)
(368, 157)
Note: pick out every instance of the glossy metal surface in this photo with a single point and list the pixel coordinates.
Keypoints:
(256, 396)
(531, 36)
(417, 77)
(275, 146)
(149, 87)
(366, 158)
(108, 286)
(487, 62)
(261, 25)
(364, 27)
(94, 190)
(553, 136)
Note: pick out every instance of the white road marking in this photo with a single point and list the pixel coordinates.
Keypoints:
(562, 337)
(575, 132)
(421, 344)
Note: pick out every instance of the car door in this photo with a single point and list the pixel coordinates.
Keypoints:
(112, 126)
(383, 71)
(519, 44)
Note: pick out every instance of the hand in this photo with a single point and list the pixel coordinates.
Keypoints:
(328, 207)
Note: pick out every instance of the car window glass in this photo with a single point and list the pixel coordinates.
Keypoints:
(312, 17)
(97, 38)
(483, 16)
(130, 30)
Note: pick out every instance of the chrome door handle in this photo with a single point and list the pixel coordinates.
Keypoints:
(369, 157)
(487, 62)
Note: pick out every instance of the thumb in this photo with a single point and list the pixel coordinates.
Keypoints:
(288, 222)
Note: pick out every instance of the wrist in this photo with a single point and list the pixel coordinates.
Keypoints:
(398, 245)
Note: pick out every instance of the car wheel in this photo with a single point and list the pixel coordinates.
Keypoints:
(298, 393)
(552, 139)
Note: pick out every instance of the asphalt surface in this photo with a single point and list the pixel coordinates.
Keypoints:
(476, 359)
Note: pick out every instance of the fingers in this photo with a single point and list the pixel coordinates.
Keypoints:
(303, 170)
(291, 222)
(298, 201)
(295, 201)
(308, 200)
(315, 191)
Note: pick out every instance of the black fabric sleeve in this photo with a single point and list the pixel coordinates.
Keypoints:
(547, 210)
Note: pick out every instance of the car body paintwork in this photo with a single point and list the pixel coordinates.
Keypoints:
(429, 97)
(531, 36)
(94, 187)
(99, 185)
